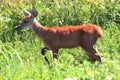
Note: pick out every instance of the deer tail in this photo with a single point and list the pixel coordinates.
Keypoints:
(99, 32)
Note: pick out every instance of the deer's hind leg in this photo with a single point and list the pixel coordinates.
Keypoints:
(88, 44)
(90, 51)
(91, 54)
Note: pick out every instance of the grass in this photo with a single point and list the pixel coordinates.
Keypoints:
(20, 57)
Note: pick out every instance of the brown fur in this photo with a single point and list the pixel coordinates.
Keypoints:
(55, 38)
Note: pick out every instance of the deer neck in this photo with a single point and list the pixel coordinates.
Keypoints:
(38, 29)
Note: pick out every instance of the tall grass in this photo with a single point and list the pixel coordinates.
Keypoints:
(20, 57)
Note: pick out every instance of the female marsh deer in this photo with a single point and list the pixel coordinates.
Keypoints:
(55, 38)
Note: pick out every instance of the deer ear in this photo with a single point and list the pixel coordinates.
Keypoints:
(25, 12)
(34, 13)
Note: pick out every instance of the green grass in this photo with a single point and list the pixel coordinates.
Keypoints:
(20, 57)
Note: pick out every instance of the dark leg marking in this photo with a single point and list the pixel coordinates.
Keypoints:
(47, 59)
(44, 50)
(43, 53)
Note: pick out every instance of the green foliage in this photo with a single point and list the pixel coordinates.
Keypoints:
(20, 57)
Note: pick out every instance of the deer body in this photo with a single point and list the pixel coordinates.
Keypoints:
(55, 38)
(63, 37)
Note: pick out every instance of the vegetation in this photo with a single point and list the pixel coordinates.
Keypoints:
(20, 57)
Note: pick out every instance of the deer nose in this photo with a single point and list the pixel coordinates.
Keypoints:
(18, 28)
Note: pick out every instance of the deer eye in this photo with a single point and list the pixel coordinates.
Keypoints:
(26, 21)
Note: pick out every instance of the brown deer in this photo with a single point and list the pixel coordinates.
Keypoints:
(55, 38)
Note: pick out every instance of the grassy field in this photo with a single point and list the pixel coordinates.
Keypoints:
(20, 57)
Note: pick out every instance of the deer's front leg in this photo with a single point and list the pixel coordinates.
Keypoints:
(44, 50)
(43, 53)
(55, 53)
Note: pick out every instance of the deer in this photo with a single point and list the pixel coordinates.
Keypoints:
(55, 38)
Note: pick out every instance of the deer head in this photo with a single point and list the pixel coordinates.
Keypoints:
(28, 20)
